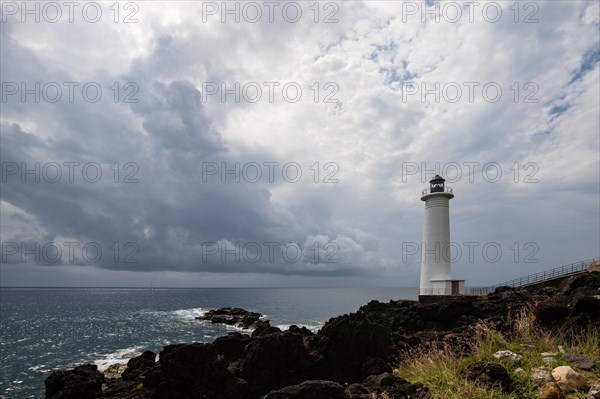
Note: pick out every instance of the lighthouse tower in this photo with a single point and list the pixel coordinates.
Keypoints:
(436, 272)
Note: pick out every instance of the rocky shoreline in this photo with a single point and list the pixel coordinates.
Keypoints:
(352, 356)
(238, 317)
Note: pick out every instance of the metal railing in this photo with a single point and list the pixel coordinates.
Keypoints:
(428, 191)
(536, 278)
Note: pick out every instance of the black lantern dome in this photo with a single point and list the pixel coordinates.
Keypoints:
(436, 184)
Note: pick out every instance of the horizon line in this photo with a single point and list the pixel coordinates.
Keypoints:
(167, 287)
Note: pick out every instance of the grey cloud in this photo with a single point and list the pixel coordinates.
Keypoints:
(169, 133)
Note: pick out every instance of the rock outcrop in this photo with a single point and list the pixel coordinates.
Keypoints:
(234, 317)
(82, 382)
(310, 390)
(349, 357)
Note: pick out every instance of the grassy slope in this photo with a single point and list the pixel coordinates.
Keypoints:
(440, 369)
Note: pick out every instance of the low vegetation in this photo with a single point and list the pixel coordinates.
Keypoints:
(440, 368)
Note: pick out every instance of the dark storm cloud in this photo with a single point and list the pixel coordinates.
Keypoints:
(169, 219)
(167, 215)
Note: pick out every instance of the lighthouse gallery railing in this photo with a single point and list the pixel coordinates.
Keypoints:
(428, 191)
(536, 278)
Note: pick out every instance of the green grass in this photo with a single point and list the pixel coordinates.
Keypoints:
(439, 369)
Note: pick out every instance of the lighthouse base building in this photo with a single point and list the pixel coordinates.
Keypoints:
(436, 280)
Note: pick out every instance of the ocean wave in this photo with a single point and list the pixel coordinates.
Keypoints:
(119, 356)
(189, 313)
(237, 328)
(42, 368)
(180, 314)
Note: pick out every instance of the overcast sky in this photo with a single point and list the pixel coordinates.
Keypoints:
(287, 143)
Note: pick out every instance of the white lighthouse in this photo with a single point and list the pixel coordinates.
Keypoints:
(436, 274)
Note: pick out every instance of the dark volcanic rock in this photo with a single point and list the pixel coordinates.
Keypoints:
(82, 382)
(140, 379)
(374, 365)
(310, 390)
(444, 315)
(191, 371)
(232, 345)
(119, 389)
(351, 345)
(358, 391)
(586, 311)
(409, 317)
(580, 361)
(263, 328)
(491, 374)
(581, 310)
(305, 332)
(233, 316)
(581, 284)
(141, 367)
(275, 361)
(395, 386)
(552, 312)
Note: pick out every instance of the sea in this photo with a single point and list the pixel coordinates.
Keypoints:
(43, 329)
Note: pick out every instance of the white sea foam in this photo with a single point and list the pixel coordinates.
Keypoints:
(120, 356)
(313, 328)
(181, 314)
(189, 314)
(42, 368)
(237, 328)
